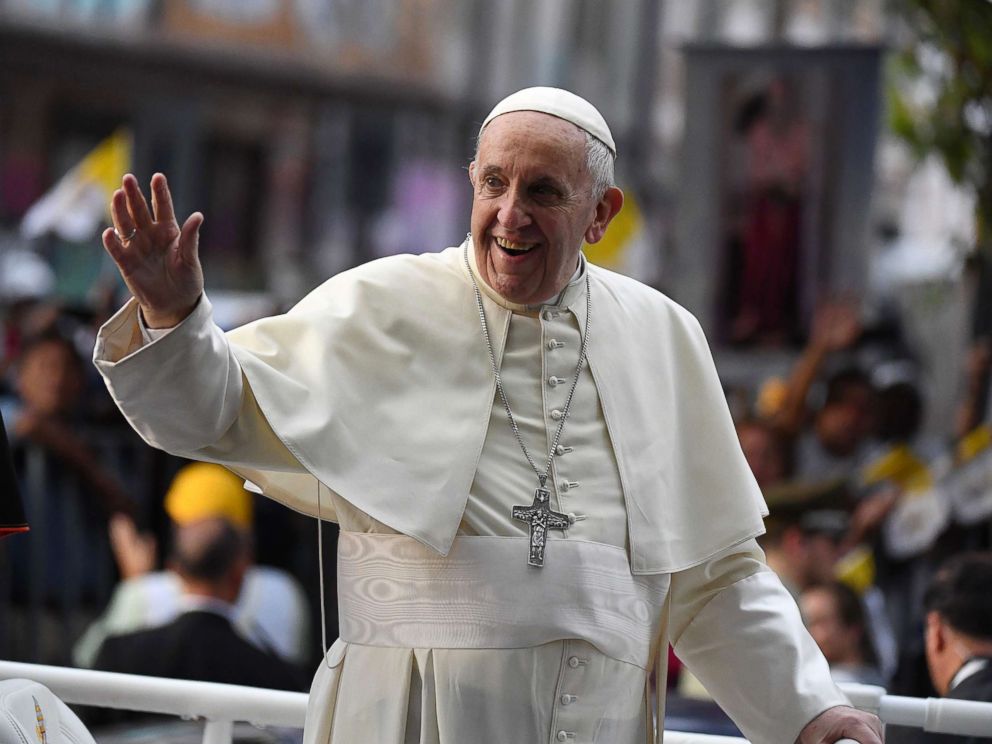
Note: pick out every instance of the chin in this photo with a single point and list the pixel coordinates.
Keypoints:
(516, 294)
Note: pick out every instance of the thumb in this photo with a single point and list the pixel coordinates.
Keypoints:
(189, 238)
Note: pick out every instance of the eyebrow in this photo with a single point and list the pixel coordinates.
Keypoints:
(491, 170)
(495, 170)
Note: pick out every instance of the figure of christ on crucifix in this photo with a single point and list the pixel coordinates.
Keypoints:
(541, 518)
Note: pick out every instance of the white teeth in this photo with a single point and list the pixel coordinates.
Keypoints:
(504, 243)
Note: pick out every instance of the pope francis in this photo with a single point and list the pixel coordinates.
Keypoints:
(530, 458)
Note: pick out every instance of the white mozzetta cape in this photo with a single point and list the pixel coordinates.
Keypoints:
(395, 346)
(379, 384)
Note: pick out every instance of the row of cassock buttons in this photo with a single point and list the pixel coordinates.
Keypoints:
(574, 662)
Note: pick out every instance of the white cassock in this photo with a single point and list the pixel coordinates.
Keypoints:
(373, 402)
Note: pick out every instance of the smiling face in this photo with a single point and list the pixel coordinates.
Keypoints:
(533, 205)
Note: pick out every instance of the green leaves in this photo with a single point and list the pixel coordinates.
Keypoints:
(939, 91)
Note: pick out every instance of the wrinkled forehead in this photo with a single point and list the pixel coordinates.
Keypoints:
(524, 137)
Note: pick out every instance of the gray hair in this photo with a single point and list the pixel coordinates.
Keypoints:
(599, 160)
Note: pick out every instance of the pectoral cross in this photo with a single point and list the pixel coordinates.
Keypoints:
(541, 519)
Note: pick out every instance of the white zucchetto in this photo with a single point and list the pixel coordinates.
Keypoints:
(557, 102)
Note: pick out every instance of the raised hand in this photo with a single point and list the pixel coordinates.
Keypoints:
(836, 325)
(134, 551)
(158, 260)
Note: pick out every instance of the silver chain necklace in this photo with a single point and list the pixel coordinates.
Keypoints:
(539, 514)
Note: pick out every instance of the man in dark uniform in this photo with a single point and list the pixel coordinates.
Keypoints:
(958, 604)
(211, 558)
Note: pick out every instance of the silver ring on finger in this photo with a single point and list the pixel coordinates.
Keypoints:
(125, 239)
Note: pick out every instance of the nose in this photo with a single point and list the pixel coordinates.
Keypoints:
(513, 212)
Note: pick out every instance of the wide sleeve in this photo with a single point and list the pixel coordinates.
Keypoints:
(185, 392)
(740, 633)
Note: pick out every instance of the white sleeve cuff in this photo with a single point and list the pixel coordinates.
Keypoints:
(150, 335)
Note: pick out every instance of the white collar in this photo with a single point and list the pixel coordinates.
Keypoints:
(199, 603)
(969, 668)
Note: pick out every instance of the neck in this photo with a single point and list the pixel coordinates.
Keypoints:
(565, 295)
(210, 591)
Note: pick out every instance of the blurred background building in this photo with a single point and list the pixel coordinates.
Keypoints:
(318, 134)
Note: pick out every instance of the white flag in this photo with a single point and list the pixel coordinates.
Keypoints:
(78, 205)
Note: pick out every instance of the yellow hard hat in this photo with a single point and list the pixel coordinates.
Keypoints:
(203, 490)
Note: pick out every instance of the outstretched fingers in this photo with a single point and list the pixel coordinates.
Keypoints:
(137, 207)
(162, 200)
(123, 222)
(189, 237)
(112, 244)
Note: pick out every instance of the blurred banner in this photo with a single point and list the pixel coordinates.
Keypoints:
(78, 205)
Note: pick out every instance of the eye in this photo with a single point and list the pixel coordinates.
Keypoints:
(544, 192)
(492, 183)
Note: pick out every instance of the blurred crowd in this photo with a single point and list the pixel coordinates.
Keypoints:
(134, 555)
(865, 507)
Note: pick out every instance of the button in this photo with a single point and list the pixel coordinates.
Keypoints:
(554, 381)
(550, 314)
(556, 415)
(568, 699)
(565, 735)
(573, 517)
(575, 662)
(555, 344)
(562, 450)
(564, 487)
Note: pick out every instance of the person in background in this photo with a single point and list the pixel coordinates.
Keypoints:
(50, 382)
(836, 444)
(270, 610)
(958, 637)
(210, 556)
(766, 451)
(61, 571)
(829, 441)
(835, 617)
(803, 534)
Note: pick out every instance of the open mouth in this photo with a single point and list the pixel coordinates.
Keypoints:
(512, 248)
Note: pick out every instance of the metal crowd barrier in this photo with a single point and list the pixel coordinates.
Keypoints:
(221, 705)
(218, 705)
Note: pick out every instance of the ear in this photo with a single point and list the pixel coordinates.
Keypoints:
(936, 633)
(471, 173)
(606, 209)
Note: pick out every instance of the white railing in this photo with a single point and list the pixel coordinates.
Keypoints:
(939, 715)
(218, 705)
(221, 705)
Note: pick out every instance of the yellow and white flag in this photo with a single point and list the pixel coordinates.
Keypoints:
(78, 205)
(627, 247)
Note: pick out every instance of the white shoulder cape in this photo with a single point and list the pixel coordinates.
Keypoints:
(379, 384)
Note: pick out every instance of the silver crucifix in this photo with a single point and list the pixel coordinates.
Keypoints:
(541, 519)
